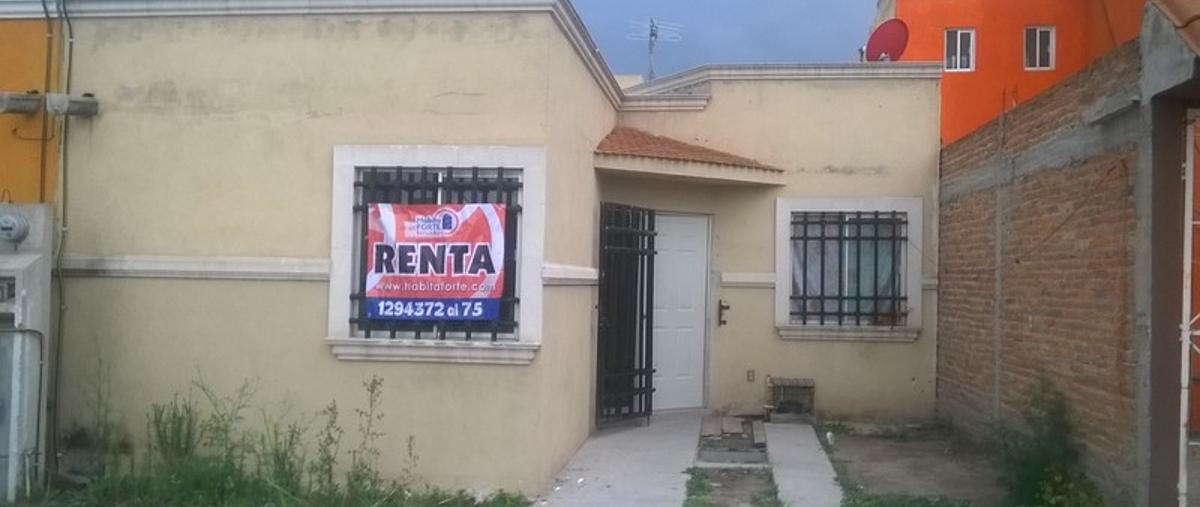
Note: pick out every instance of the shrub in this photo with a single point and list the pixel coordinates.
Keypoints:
(1040, 464)
(174, 430)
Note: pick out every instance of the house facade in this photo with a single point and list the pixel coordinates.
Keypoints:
(1000, 54)
(674, 245)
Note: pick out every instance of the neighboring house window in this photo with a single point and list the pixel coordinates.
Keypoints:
(960, 50)
(847, 268)
(1039, 48)
(423, 186)
(851, 263)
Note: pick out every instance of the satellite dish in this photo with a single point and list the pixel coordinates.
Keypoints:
(888, 41)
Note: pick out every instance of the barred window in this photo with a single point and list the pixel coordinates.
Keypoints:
(848, 268)
(433, 185)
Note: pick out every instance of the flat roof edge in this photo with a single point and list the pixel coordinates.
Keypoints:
(790, 71)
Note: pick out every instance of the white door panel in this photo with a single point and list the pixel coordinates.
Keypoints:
(680, 294)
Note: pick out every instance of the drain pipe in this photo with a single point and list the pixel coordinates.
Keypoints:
(41, 338)
(1185, 332)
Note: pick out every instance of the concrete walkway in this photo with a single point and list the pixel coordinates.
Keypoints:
(631, 466)
(803, 473)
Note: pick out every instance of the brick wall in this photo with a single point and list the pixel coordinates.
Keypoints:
(1036, 264)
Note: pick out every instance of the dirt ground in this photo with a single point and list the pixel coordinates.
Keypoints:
(735, 487)
(923, 463)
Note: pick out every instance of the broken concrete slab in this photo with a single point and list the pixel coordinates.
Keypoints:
(732, 425)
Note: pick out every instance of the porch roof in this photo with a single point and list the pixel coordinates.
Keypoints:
(632, 150)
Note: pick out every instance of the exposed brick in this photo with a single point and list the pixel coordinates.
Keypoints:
(1061, 293)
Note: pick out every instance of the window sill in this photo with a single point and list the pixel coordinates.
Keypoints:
(849, 333)
(433, 351)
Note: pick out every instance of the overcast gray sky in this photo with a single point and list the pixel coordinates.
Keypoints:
(723, 31)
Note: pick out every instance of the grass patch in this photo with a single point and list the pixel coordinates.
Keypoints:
(722, 487)
(768, 497)
(207, 457)
(862, 499)
(698, 489)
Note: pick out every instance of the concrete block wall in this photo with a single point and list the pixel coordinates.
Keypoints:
(1036, 264)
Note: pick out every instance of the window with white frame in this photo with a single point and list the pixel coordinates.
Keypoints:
(849, 263)
(386, 189)
(1039, 48)
(960, 49)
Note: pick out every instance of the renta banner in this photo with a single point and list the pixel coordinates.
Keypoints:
(435, 261)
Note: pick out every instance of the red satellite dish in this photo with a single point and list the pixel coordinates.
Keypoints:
(888, 41)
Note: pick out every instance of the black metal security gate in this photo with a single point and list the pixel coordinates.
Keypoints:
(625, 363)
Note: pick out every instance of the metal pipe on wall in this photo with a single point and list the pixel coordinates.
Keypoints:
(1185, 327)
(41, 338)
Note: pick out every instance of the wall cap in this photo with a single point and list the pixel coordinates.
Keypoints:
(568, 275)
(787, 71)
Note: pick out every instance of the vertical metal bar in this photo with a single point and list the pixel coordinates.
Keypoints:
(804, 268)
(841, 302)
(365, 224)
(823, 293)
(896, 252)
(875, 313)
(649, 338)
(858, 268)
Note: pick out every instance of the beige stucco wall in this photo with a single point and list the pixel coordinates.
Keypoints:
(834, 138)
(216, 138)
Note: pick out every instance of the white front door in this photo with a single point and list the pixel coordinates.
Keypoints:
(680, 293)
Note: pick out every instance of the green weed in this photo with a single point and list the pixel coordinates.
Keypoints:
(1040, 463)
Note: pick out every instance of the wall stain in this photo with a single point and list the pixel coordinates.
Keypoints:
(846, 170)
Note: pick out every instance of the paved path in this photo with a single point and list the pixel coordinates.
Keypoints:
(639, 466)
(803, 473)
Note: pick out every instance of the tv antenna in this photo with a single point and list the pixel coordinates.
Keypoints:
(653, 32)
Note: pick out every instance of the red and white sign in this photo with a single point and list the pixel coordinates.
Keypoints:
(435, 261)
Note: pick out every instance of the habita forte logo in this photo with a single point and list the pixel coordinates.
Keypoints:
(442, 223)
(435, 262)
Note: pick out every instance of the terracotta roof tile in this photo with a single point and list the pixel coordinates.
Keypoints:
(1185, 15)
(636, 143)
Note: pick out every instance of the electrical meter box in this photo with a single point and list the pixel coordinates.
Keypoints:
(26, 252)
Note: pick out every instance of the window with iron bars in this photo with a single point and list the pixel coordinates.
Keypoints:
(437, 185)
(848, 268)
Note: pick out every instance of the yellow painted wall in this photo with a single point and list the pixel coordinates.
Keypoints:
(833, 138)
(200, 153)
(23, 68)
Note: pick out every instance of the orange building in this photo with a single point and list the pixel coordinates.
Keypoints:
(999, 54)
(30, 56)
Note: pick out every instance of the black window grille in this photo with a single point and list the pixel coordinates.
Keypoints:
(848, 268)
(438, 185)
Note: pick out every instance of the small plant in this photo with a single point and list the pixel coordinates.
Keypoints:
(1040, 463)
(281, 454)
(364, 460)
(329, 439)
(221, 427)
(174, 430)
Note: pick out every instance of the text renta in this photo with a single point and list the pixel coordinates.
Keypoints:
(455, 259)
